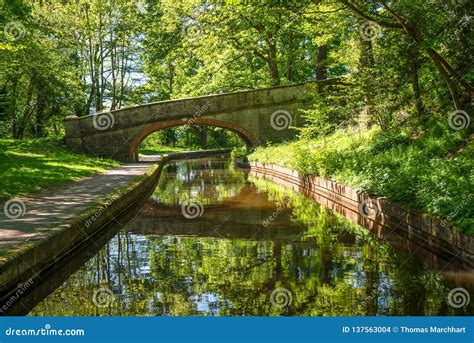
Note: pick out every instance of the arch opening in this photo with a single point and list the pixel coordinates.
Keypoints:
(146, 135)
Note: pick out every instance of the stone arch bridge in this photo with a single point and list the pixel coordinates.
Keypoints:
(257, 116)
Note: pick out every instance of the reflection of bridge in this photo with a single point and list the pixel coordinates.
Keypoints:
(224, 222)
(256, 116)
(238, 217)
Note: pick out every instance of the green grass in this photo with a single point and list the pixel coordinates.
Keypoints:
(432, 171)
(159, 149)
(28, 166)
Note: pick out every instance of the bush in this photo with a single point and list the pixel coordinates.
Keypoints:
(240, 153)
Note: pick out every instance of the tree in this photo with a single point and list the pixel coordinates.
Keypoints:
(402, 16)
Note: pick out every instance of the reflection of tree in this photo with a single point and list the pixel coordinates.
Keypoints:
(176, 276)
(333, 268)
(210, 182)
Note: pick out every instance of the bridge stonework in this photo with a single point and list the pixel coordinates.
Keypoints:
(257, 116)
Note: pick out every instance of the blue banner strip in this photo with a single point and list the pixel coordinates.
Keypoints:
(237, 329)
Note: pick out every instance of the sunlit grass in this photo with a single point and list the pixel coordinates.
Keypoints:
(160, 149)
(429, 172)
(28, 166)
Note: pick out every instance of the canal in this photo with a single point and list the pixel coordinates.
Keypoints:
(212, 240)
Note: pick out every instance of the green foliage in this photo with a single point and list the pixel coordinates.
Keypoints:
(156, 144)
(240, 153)
(426, 172)
(189, 138)
(61, 58)
(335, 107)
(31, 165)
(76, 57)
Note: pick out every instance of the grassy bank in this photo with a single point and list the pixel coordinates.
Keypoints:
(27, 166)
(432, 171)
(160, 149)
(152, 145)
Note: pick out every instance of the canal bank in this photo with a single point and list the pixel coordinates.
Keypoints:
(55, 221)
(52, 223)
(237, 244)
(376, 213)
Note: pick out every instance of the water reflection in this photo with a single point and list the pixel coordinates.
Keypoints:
(253, 239)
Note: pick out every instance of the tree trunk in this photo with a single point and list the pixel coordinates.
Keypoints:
(171, 71)
(27, 111)
(366, 63)
(321, 57)
(13, 105)
(113, 51)
(273, 64)
(290, 57)
(91, 53)
(203, 137)
(414, 66)
(447, 78)
(416, 92)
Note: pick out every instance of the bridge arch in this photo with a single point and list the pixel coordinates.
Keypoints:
(251, 114)
(249, 139)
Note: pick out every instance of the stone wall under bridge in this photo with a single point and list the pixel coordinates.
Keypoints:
(257, 116)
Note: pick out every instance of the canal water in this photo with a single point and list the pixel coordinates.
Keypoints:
(213, 240)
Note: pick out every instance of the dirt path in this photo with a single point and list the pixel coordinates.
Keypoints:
(29, 217)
